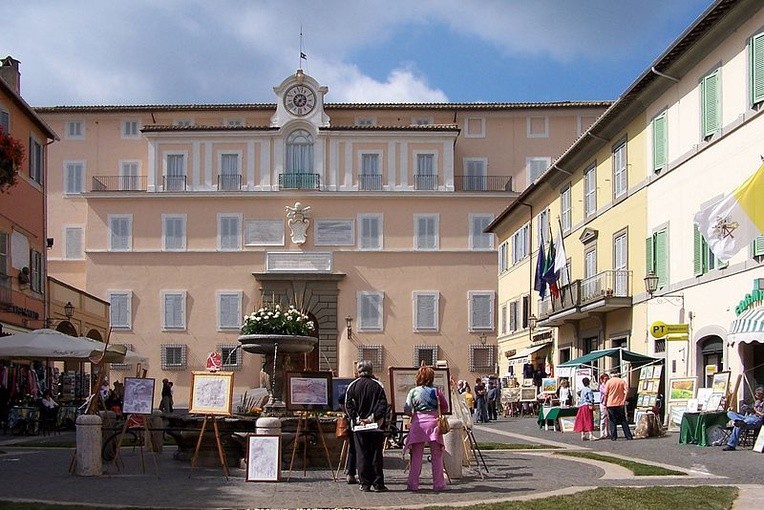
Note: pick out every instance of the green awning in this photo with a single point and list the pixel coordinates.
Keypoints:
(616, 353)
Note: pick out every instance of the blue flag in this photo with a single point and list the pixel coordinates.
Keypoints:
(539, 284)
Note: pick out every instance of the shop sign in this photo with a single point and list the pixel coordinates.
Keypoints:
(543, 337)
(756, 296)
(660, 329)
(24, 312)
(510, 353)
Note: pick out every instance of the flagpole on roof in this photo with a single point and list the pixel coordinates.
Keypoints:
(562, 242)
(302, 53)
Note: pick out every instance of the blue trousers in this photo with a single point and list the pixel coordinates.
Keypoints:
(751, 422)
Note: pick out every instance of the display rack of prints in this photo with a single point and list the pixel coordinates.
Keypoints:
(649, 386)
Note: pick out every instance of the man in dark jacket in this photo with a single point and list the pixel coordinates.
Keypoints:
(366, 405)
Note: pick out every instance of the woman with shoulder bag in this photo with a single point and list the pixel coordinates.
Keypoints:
(585, 416)
(425, 404)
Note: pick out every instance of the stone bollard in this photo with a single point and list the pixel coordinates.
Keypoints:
(265, 425)
(452, 457)
(89, 445)
(156, 423)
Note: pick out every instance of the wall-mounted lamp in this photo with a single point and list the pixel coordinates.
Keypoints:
(532, 322)
(69, 309)
(349, 325)
(49, 242)
(482, 338)
(651, 285)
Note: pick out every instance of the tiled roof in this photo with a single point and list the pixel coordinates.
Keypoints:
(327, 106)
(157, 128)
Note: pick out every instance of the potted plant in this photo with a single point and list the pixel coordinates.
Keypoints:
(11, 158)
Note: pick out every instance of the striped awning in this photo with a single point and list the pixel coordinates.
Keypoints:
(748, 327)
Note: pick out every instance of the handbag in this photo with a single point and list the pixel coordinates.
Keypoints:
(443, 426)
(343, 427)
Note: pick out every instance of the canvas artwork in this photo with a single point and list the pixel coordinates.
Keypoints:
(339, 387)
(714, 402)
(645, 372)
(548, 385)
(263, 458)
(402, 379)
(211, 393)
(139, 396)
(674, 415)
(528, 394)
(682, 388)
(566, 423)
(703, 395)
(721, 382)
(309, 391)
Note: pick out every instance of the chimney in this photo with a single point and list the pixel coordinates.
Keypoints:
(9, 72)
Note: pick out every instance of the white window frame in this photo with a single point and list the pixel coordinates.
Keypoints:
(536, 161)
(75, 130)
(183, 219)
(68, 249)
(229, 216)
(503, 258)
(130, 129)
(111, 218)
(127, 295)
(543, 227)
(238, 298)
(182, 297)
(129, 173)
(238, 155)
(419, 236)
(477, 233)
(566, 213)
(379, 218)
(165, 169)
(620, 170)
(590, 191)
(365, 299)
(5, 119)
(473, 295)
(420, 297)
(182, 364)
(529, 127)
(478, 134)
(36, 159)
(521, 243)
(74, 186)
(504, 318)
(475, 167)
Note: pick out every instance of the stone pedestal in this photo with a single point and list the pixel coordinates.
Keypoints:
(89, 445)
(454, 441)
(156, 424)
(268, 426)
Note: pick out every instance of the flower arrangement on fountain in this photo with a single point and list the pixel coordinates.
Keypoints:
(270, 319)
(11, 158)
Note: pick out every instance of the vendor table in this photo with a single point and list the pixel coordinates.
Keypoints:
(24, 420)
(547, 414)
(694, 427)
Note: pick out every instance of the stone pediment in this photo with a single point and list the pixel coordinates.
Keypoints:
(588, 235)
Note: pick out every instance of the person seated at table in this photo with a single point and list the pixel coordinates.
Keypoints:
(750, 420)
(47, 402)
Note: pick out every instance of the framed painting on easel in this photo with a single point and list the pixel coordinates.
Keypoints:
(139, 396)
(309, 391)
(211, 393)
(402, 379)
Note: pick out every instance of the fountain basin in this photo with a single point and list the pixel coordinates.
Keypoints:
(288, 344)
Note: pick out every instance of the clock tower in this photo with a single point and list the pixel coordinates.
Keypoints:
(300, 97)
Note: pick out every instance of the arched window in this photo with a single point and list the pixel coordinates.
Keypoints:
(299, 152)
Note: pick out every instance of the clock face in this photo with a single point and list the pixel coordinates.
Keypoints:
(299, 100)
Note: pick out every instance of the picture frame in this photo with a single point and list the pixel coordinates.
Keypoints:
(657, 369)
(566, 423)
(308, 391)
(528, 394)
(721, 382)
(263, 458)
(402, 379)
(138, 395)
(713, 403)
(211, 393)
(681, 388)
(703, 394)
(339, 387)
(645, 372)
(548, 385)
(674, 414)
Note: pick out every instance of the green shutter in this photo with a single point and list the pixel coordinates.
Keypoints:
(698, 251)
(649, 254)
(711, 107)
(659, 142)
(757, 69)
(758, 246)
(661, 257)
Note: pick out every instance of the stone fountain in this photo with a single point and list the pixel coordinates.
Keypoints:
(278, 351)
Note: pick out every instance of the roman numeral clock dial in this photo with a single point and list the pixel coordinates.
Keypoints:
(299, 100)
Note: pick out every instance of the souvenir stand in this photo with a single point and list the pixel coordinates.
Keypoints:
(649, 389)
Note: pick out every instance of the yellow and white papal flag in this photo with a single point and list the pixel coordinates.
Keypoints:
(733, 223)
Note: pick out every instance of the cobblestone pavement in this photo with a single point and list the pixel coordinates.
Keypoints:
(41, 474)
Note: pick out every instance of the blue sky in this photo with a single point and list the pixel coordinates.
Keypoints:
(235, 51)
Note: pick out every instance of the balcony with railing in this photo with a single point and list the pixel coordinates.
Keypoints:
(425, 182)
(300, 181)
(482, 183)
(229, 182)
(370, 182)
(604, 292)
(174, 182)
(119, 183)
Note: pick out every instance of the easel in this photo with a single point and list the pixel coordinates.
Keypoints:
(344, 452)
(476, 453)
(211, 417)
(302, 425)
(147, 437)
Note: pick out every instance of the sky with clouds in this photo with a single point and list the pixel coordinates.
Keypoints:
(90, 52)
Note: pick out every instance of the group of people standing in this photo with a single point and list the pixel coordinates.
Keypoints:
(484, 402)
(613, 392)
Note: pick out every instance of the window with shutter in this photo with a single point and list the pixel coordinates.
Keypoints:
(543, 230)
(36, 271)
(35, 160)
(73, 243)
(513, 315)
(174, 232)
(661, 257)
(536, 167)
(4, 254)
(5, 120)
(370, 226)
(621, 263)
(174, 310)
(75, 130)
(698, 251)
(426, 231)
(370, 308)
(229, 310)
(503, 257)
(590, 191)
(758, 248)
(75, 175)
(480, 240)
(475, 175)
(120, 235)
(711, 104)
(620, 172)
(481, 304)
(128, 174)
(660, 143)
(757, 69)
(426, 311)
(566, 217)
(121, 309)
(504, 319)
(229, 229)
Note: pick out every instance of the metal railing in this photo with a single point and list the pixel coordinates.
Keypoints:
(229, 182)
(610, 283)
(119, 183)
(426, 182)
(300, 181)
(483, 183)
(174, 183)
(369, 182)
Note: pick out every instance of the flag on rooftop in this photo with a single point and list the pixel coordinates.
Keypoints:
(560, 257)
(733, 223)
(539, 285)
(303, 56)
(550, 274)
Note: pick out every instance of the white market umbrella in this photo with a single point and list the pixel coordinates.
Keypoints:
(46, 344)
